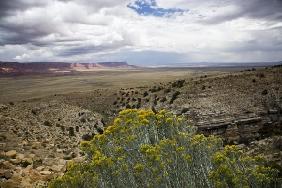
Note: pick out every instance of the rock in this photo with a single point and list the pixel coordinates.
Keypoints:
(78, 159)
(62, 162)
(8, 174)
(40, 168)
(28, 168)
(36, 145)
(20, 156)
(45, 172)
(58, 168)
(11, 153)
(8, 164)
(272, 111)
(15, 161)
(59, 150)
(24, 143)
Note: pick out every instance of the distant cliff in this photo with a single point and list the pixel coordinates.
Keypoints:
(15, 68)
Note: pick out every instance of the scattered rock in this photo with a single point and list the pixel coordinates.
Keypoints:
(45, 172)
(58, 168)
(20, 156)
(36, 145)
(40, 168)
(11, 153)
(8, 174)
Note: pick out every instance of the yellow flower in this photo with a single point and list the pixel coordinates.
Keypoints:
(169, 120)
(117, 121)
(187, 157)
(138, 168)
(145, 122)
(180, 149)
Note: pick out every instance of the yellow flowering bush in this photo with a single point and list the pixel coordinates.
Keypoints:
(234, 169)
(144, 149)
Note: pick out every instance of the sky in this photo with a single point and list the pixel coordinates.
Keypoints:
(141, 32)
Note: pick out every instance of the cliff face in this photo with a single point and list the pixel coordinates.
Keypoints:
(245, 129)
(14, 68)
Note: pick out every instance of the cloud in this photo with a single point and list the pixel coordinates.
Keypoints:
(218, 11)
(11, 6)
(141, 31)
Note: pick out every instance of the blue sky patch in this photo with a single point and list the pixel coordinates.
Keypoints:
(150, 8)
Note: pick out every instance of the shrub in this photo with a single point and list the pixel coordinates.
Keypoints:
(264, 92)
(174, 97)
(167, 90)
(260, 75)
(146, 149)
(47, 123)
(163, 99)
(178, 83)
(145, 94)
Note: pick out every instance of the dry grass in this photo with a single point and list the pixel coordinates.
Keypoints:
(26, 87)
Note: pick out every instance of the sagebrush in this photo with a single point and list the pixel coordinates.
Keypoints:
(144, 149)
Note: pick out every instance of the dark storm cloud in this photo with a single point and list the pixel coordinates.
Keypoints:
(20, 34)
(87, 49)
(8, 7)
(255, 46)
(270, 10)
(15, 32)
(81, 50)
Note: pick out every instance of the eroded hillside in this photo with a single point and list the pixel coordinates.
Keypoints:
(39, 136)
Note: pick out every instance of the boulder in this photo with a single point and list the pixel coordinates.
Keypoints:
(11, 153)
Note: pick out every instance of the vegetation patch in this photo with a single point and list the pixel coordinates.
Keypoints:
(146, 149)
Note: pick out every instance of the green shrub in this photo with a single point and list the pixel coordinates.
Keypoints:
(144, 149)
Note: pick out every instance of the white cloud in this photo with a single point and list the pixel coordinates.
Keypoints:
(88, 30)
